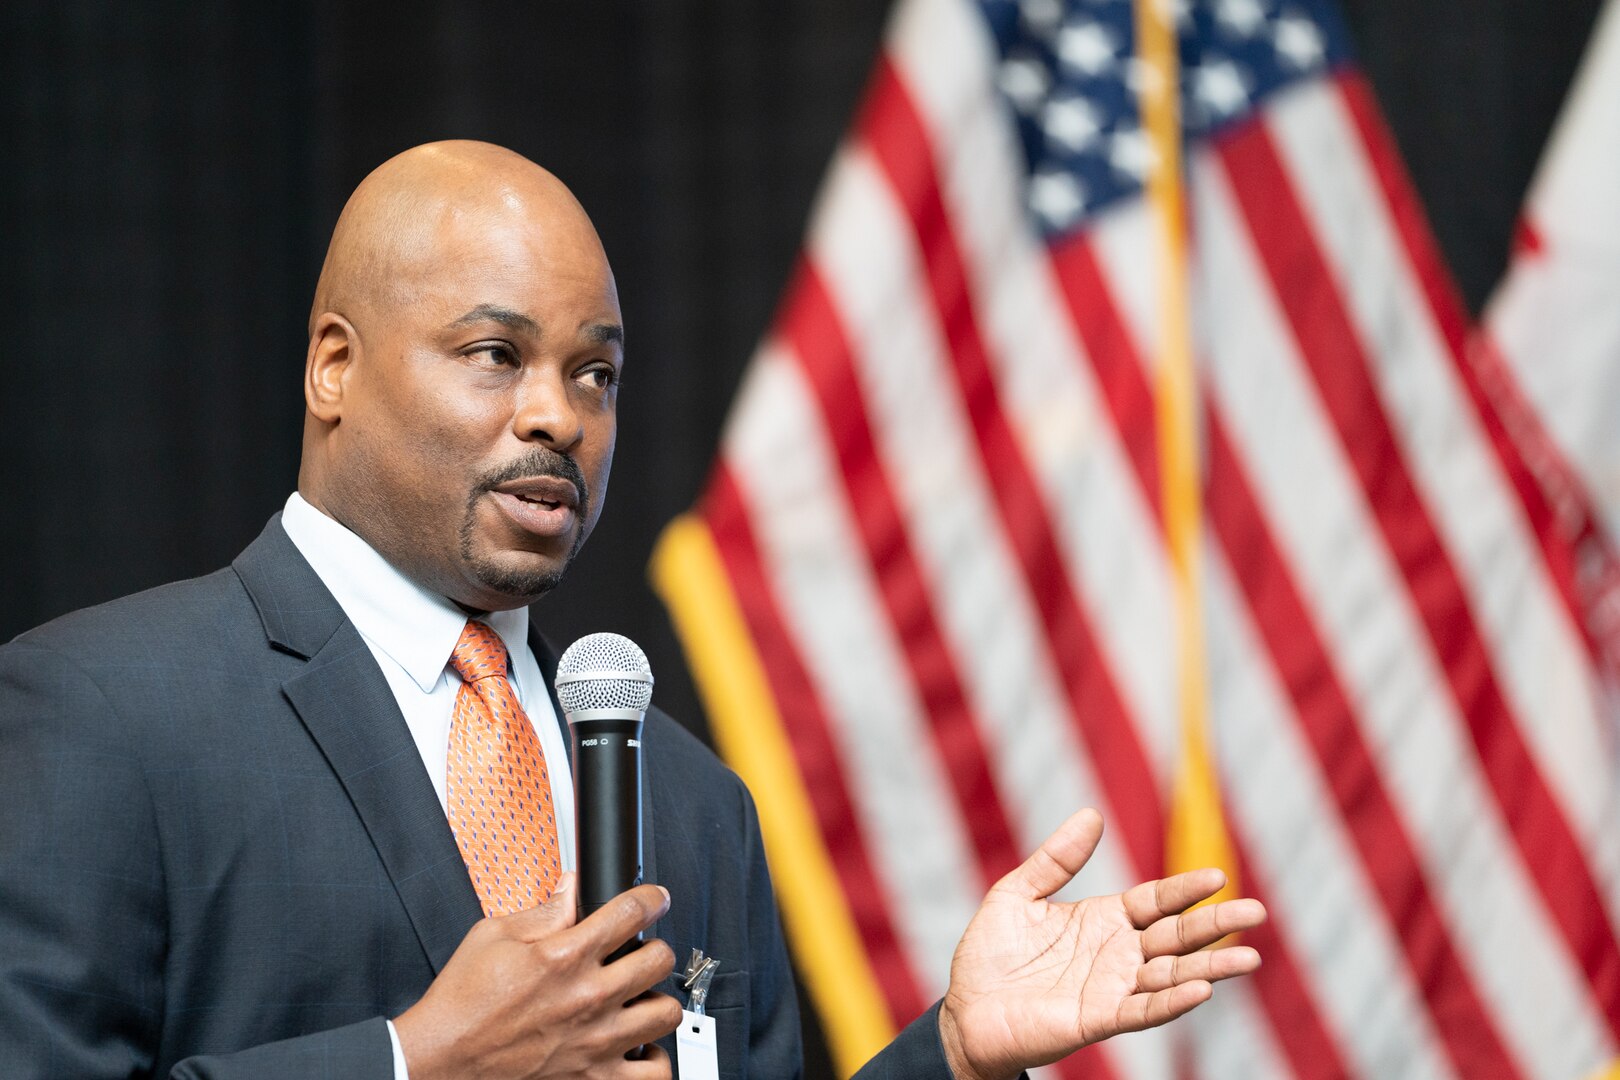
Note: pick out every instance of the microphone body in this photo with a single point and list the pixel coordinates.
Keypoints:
(607, 802)
(604, 684)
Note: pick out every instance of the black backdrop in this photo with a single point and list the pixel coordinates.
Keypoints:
(172, 169)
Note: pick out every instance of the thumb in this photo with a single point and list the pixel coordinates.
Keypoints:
(559, 912)
(1057, 860)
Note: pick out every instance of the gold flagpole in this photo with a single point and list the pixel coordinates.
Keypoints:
(1197, 834)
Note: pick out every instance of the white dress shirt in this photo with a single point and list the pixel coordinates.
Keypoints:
(411, 633)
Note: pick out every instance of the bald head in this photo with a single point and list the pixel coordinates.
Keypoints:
(396, 224)
(462, 373)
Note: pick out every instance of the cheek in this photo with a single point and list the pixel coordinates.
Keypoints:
(597, 473)
(445, 433)
(419, 444)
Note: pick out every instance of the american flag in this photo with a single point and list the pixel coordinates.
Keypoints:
(1549, 349)
(1119, 443)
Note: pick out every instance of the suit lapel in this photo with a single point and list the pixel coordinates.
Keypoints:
(547, 658)
(346, 705)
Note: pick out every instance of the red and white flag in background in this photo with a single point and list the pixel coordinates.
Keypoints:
(1121, 441)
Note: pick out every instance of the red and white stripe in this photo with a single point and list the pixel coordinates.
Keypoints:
(938, 499)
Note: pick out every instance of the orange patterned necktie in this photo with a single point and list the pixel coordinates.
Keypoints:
(498, 790)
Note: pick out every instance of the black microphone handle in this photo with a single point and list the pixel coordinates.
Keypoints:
(607, 807)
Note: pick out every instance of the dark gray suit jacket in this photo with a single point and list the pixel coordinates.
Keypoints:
(220, 855)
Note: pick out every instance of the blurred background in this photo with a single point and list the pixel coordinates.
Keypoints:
(173, 170)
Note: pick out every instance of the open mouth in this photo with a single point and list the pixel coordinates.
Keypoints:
(539, 509)
(551, 492)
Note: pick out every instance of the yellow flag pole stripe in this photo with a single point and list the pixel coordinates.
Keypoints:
(689, 575)
(1197, 829)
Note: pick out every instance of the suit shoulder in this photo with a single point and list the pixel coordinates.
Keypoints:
(674, 740)
(179, 613)
(678, 748)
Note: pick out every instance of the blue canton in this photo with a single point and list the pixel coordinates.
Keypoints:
(1069, 74)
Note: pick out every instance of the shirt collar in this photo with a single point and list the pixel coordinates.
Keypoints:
(415, 628)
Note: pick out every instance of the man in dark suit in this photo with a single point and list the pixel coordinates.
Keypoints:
(240, 811)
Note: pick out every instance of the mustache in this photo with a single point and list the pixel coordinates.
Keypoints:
(540, 461)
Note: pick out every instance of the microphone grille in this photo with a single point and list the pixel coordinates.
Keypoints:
(604, 671)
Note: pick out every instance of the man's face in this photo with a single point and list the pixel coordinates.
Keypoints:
(478, 419)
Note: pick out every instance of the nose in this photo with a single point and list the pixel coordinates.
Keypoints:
(544, 411)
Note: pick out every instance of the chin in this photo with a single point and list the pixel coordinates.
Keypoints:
(517, 581)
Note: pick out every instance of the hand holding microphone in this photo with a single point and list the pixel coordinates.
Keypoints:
(587, 938)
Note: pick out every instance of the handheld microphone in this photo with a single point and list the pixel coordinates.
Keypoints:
(605, 684)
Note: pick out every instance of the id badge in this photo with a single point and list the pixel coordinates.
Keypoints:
(696, 1057)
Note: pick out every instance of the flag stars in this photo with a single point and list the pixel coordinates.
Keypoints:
(1072, 122)
(1087, 48)
(1220, 88)
(1245, 18)
(1299, 42)
(1025, 80)
(1056, 197)
(1043, 17)
(1131, 153)
(1076, 86)
(1141, 77)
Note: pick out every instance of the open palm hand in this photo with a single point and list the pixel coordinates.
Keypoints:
(1033, 979)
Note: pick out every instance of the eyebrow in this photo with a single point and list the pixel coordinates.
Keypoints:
(604, 333)
(596, 333)
(512, 320)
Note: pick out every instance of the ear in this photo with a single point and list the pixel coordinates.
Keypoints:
(334, 345)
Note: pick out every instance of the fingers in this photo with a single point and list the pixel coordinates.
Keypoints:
(1058, 859)
(1141, 1011)
(644, 1020)
(585, 946)
(1151, 901)
(640, 970)
(1164, 972)
(604, 930)
(1178, 934)
(621, 918)
(654, 1065)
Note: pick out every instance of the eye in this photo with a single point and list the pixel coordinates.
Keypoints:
(493, 354)
(599, 376)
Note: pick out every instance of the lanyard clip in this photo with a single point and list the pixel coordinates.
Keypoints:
(696, 978)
